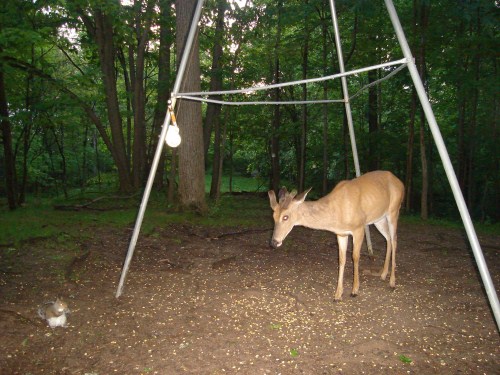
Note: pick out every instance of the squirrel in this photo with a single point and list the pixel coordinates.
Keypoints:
(54, 313)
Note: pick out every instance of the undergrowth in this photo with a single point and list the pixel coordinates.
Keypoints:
(39, 218)
(43, 220)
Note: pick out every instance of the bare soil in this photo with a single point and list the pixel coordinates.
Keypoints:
(220, 301)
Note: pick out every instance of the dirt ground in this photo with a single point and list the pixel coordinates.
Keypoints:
(221, 301)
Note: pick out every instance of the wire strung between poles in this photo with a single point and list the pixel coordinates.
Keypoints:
(292, 83)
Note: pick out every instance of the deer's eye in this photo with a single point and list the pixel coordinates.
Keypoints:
(285, 218)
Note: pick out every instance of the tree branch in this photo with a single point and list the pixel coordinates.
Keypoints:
(24, 66)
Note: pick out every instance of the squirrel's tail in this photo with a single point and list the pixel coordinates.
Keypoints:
(42, 308)
(41, 312)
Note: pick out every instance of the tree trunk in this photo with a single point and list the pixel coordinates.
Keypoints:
(472, 133)
(409, 153)
(423, 11)
(324, 57)
(10, 164)
(171, 177)
(496, 156)
(303, 136)
(26, 134)
(142, 30)
(60, 148)
(163, 88)
(424, 213)
(213, 109)
(212, 119)
(103, 35)
(373, 125)
(227, 117)
(345, 140)
(128, 90)
(275, 142)
(231, 159)
(461, 126)
(191, 155)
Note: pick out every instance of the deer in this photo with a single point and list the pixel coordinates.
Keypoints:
(373, 198)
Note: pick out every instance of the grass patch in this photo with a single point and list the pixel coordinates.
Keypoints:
(492, 229)
(239, 184)
(42, 221)
(39, 219)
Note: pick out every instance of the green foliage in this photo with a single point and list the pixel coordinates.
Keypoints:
(58, 148)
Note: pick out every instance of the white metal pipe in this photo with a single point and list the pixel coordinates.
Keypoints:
(348, 110)
(448, 167)
(360, 91)
(223, 102)
(159, 148)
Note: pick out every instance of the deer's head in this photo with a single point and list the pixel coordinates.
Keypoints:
(286, 214)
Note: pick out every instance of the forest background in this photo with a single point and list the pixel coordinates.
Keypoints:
(84, 86)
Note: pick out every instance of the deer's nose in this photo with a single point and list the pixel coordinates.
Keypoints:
(275, 244)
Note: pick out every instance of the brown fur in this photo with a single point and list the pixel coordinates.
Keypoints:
(373, 198)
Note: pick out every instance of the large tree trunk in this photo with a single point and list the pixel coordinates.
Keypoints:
(10, 165)
(191, 155)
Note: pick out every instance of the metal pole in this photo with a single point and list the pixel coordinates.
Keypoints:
(159, 148)
(348, 110)
(448, 167)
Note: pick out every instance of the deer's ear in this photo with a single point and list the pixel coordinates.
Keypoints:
(302, 196)
(272, 199)
(282, 193)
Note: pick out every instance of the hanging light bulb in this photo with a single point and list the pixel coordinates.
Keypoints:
(173, 138)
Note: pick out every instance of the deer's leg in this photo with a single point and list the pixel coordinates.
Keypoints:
(357, 241)
(393, 226)
(383, 228)
(342, 241)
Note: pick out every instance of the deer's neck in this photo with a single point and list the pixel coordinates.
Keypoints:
(316, 215)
